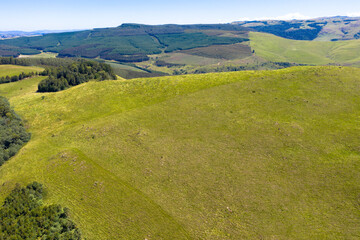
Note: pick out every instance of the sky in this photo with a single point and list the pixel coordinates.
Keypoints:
(86, 14)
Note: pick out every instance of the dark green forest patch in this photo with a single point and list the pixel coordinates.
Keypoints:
(12, 131)
(23, 216)
(78, 72)
(14, 51)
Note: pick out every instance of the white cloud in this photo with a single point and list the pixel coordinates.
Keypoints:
(245, 19)
(353, 14)
(292, 16)
(289, 16)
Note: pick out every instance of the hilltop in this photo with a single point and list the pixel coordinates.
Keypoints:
(242, 155)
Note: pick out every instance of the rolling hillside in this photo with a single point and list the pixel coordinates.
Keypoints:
(245, 155)
(274, 48)
(320, 29)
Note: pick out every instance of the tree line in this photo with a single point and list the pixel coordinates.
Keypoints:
(23, 216)
(78, 72)
(46, 62)
(21, 76)
(13, 134)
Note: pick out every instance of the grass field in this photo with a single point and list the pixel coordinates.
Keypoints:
(278, 49)
(27, 86)
(244, 155)
(12, 70)
(41, 55)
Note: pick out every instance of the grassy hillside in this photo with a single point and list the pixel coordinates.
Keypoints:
(26, 86)
(278, 49)
(245, 155)
(12, 70)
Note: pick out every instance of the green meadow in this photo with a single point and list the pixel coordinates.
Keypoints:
(277, 49)
(40, 55)
(25, 87)
(240, 155)
(12, 70)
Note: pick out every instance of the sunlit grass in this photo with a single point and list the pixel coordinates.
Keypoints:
(244, 155)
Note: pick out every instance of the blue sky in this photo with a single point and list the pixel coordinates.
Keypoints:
(65, 14)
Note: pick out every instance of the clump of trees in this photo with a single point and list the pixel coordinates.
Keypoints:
(12, 131)
(23, 216)
(78, 72)
(63, 73)
(21, 76)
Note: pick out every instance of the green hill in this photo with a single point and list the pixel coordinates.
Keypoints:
(273, 48)
(245, 155)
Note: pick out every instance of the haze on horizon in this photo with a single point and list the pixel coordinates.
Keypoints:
(60, 15)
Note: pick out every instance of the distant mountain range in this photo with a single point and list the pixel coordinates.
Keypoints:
(16, 34)
(318, 29)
